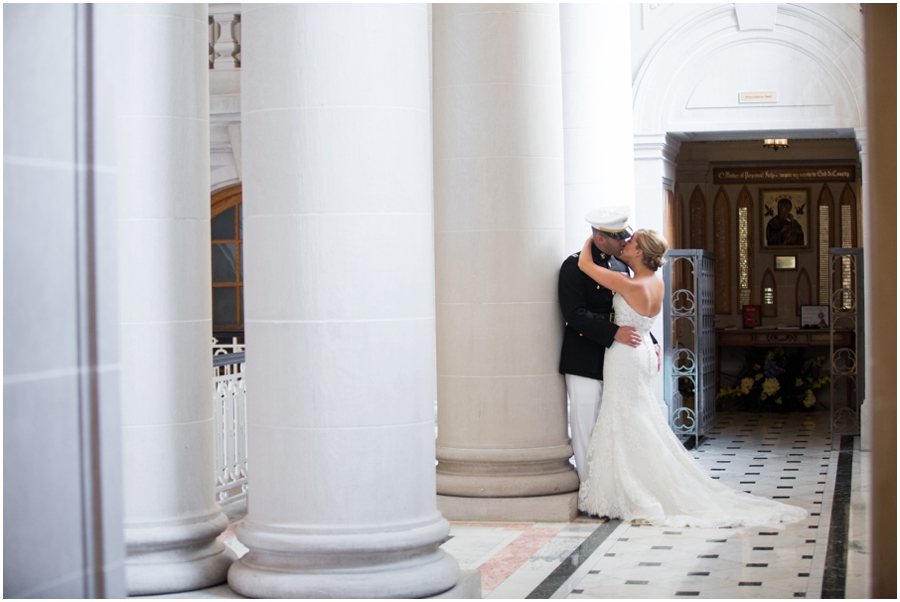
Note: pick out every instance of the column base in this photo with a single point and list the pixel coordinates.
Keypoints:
(170, 558)
(562, 508)
(341, 563)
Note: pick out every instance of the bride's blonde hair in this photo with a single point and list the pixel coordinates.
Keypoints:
(654, 247)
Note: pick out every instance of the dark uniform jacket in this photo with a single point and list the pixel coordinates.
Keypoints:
(586, 308)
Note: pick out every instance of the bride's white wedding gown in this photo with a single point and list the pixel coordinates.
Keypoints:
(638, 470)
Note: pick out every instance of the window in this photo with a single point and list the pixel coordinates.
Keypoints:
(227, 260)
(769, 295)
(826, 209)
(848, 241)
(745, 247)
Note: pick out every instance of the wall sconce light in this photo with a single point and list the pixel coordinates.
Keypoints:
(775, 143)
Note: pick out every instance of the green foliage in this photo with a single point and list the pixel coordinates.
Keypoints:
(775, 381)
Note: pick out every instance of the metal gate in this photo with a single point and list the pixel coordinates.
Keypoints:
(689, 342)
(847, 294)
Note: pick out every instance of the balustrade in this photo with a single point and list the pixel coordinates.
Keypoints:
(224, 36)
(230, 400)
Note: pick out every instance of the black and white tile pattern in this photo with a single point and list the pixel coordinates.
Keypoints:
(785, 457)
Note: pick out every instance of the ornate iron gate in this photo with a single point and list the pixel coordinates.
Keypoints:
(847, 294)
(689, 342)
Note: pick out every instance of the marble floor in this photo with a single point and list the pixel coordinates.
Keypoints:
(790, 457)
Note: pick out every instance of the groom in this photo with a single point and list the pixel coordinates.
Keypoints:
(588, 311)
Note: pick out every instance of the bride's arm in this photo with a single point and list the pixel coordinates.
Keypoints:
(611, 279)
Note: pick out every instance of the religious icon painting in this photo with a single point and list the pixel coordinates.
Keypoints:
(785, 218)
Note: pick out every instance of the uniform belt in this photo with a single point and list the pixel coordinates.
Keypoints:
(611, 316)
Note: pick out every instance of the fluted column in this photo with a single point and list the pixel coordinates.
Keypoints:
(162, 139)
(597, 116)
(503, 450)
(339, 305)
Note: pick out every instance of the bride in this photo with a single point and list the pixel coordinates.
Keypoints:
(637, 469)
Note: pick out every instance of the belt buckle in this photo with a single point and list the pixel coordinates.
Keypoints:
(612, 317)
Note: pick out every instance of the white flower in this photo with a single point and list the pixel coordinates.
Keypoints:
(746, 385)
(810, 399)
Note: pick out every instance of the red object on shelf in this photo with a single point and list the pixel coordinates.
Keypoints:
(751, 316)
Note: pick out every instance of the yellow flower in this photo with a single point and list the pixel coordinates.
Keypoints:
(763, 396)
(810, 399)
(756, 366)
(758, 376)
(778, 401)
(746, 385)
(799, 382)
(771, 385)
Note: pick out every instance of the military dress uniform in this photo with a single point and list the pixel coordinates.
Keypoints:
(587, 308)
(590, 330)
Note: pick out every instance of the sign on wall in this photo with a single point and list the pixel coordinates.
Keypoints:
(784, 175)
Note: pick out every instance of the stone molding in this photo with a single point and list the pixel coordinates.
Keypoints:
(676, 65)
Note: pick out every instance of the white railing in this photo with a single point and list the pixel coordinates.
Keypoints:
(230, 401)
(224, 348)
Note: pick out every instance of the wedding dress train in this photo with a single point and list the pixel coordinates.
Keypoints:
(638, 470)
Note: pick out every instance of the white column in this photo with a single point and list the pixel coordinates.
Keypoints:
(339, 305)
(503, 449)
(880, 235)
(171, 517)
(597, 115)
(654, 174)
(62, 476)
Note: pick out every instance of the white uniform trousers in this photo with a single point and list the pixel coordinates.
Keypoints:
(585, 396)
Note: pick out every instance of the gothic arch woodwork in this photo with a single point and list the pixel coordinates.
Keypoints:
(825, 214)
(698, 219)
(722, 251)
(669, 219)
(678, 220)
(768, 295)
(680, 272)
(744, 216)
(802, 291)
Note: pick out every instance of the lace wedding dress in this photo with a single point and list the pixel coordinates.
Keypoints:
(638, 470)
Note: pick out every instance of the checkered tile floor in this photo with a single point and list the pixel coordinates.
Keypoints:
(782, 456)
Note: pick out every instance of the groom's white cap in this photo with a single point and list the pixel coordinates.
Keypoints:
(611, 220)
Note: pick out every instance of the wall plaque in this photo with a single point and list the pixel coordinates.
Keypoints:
(751, 97)
(784, 175)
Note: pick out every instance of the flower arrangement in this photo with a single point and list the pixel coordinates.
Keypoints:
(775, 381)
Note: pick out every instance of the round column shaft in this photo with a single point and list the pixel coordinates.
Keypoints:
(339, 305)
(499, 228)
(162, 142)
(597, 116)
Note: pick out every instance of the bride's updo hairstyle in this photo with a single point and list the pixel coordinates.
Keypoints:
(654, 247)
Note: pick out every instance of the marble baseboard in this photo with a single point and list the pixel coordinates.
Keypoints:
(561, 508)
